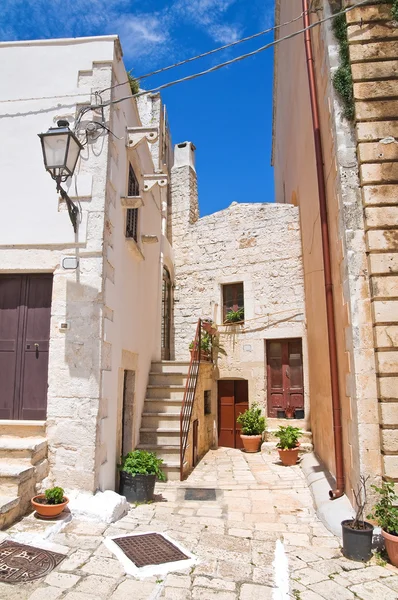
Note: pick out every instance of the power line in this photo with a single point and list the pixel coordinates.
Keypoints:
(233, 60)
(208, 53)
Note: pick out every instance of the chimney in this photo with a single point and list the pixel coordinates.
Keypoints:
(184, 189)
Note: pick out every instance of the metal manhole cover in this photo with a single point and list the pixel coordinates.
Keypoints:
(20, 563)
(149, 549)
(200, 494)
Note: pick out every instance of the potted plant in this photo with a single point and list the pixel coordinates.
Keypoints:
(289, 412)
(358, 533)
(385, 514)
(288, 444)
(138, 472)
(235, 316)
(51, 503)
(205, 346)
(253, 426)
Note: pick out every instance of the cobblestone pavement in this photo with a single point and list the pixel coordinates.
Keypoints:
(235, 537)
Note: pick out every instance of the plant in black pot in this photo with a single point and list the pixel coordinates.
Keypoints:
(385, 513)
(358, 533)
(138, 472)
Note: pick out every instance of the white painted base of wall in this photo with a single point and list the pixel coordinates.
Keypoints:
(105, 507)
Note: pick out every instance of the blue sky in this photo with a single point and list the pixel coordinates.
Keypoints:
(227, 114)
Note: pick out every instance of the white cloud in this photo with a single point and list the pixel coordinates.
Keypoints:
(225, 34)
(144, 35)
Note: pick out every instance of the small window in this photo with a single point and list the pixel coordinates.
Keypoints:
(132, 223)
(133, 188)
(207, 402)
(233, 303)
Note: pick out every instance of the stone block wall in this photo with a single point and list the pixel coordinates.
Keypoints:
(373, 39)
(258, 244)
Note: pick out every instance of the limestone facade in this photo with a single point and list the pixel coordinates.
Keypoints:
(257, 244)
(359, 163)
(111, 301)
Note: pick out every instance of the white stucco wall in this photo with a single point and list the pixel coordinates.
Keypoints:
(112, 301)
(258, 244)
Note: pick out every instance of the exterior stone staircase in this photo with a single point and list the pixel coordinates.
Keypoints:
(270, 440)
(160, 423)
(23, 465)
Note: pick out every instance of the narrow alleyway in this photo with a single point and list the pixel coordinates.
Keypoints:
(258, 502)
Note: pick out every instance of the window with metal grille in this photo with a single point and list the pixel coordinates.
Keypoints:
(132, 223)
(134, 188)
(233, 303)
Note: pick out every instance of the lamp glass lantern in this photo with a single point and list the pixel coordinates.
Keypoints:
(61, 150)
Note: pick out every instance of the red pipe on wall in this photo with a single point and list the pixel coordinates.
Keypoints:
(331, 325)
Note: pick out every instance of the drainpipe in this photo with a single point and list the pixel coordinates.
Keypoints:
(334, 374)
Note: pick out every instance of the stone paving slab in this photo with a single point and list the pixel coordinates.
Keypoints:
(258, 503)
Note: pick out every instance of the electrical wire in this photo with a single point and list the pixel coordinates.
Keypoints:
(233, 60)
(208, 53)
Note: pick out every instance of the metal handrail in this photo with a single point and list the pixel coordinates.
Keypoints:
(189, 395)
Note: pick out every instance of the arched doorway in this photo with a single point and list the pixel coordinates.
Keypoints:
(166, 314)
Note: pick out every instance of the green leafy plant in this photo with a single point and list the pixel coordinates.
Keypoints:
(141, 462)
(252, 422)
(134, 85)
(342, 79)
(54, 495)
(380, 558)
(394, 10)
(205, 342)
(288, 437)
(235, 316)
(384, 512)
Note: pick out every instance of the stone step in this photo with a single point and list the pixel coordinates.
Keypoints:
(9, 510)
(22, 428)
(273, 423)
(32, 448)
(162, 405)
(166, 391)
(172, 470)
(170, 366)
(160, 419)
(13, 473)
(270, 447)
(168, 453)
(269, 436)
(172, 378)
(159, 436)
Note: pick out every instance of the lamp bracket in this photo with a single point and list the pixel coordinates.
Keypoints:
(73, 210)
(153, 179)
(135, 135)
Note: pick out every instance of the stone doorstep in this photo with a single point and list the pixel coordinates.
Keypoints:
(22, 428)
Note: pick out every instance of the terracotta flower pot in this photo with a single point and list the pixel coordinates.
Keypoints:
(289, 457)
(289, 412)
(391, 542)
(48, 510)
(251, 443)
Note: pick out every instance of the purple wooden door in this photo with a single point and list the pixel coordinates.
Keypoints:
(285, 375)
(25, 308)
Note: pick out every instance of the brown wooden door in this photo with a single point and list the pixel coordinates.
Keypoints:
(25, 309)
(284, 375)
(233, 399)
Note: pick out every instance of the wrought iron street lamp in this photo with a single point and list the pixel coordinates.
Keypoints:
(61, 150)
